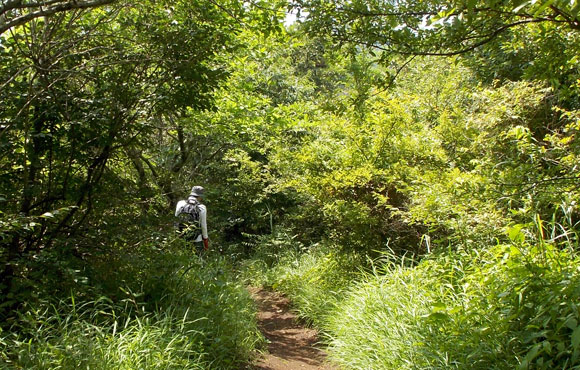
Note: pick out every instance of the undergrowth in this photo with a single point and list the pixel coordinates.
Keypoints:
(511, 305)
(314, 278)
(174, 311)
(498, 309)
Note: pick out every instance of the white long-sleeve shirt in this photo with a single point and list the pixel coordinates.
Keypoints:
(202, 218)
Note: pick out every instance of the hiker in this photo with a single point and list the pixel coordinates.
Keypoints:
(193, 219)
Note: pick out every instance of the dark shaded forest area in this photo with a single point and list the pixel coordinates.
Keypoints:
(406, 173)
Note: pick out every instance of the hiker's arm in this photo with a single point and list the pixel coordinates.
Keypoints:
(203, 222)
(179, 207)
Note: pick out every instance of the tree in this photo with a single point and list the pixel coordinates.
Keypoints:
(430, 27)
(82, 92)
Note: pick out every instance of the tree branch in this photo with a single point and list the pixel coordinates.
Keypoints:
(53, 8)
(487, 38)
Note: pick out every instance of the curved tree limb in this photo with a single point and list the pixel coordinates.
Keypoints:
(41, 9)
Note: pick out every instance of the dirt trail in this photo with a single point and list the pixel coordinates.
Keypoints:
(291, 345)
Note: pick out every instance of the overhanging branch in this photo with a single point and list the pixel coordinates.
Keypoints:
(43, 9)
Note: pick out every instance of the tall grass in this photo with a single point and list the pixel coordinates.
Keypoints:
(401, 318)
(499, 309)
(316, 281)
(214, 292)
(205, 319)
(511, 305)
(313, 279)
(66, 339)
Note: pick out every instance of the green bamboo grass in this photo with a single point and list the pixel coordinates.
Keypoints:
(513, 305)
(205, 321)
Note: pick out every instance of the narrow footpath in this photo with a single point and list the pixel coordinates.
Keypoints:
(291, 345)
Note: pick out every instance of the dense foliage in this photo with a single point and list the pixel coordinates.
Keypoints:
(423, 212)
(165, 310)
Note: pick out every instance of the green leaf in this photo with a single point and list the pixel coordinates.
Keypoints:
(439, 307)
(515, 233)
(547, 346)
(530, 356)
(543, 7)
(576, 337)
(571, 323)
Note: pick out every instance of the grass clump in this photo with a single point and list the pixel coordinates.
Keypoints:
(503, 308)
(228, 313)
(316, 281)
(313, 279)
(66, 338)
(179, 312)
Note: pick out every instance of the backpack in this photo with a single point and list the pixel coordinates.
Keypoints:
(189, 223)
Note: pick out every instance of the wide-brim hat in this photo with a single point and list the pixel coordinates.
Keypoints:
(197, 191)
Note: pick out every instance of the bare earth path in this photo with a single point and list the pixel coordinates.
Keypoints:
(291, 346)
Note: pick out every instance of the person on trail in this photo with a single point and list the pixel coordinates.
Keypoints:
(193, 218)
